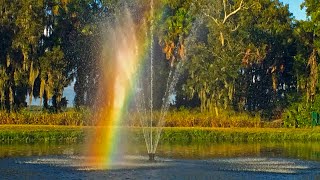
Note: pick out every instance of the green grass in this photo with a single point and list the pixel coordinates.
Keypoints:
(76, 134)
(46, 134)
(239, 134)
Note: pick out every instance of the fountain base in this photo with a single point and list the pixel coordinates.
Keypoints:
(151, 156)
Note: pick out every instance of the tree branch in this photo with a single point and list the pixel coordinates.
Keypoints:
(236, 28)
(225, 9)
(234, 12)
(214, 19)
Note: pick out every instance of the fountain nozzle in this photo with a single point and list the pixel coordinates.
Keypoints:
(151, 156)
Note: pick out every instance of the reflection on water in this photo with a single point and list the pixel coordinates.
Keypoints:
(24, 150)
(306, 151)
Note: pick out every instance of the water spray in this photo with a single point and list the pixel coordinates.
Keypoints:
(151, 154)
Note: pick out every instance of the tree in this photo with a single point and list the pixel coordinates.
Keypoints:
(239, 58)
(306, 98)
(267, 59)
(212, 62)
(308, 32)
(53, 77)
(21, 25)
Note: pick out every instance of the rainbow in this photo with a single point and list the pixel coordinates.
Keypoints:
(121, 70)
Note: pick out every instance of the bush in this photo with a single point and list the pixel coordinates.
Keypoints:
(299, 114)
(173, 118)
(71, 118)
(194, 118)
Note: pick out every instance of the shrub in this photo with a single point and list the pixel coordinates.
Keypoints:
(194, 118)
(299, 114)
(70, 117)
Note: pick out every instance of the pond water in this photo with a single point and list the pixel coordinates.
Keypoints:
(286, 160)
(193, 151)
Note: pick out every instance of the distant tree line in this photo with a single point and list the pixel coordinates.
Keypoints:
(240, 55)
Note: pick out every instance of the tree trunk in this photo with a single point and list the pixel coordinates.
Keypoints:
(313, 76)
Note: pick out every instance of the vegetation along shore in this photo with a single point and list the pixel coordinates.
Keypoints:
(77, 134)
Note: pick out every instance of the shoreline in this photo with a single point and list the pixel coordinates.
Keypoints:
(75, 134)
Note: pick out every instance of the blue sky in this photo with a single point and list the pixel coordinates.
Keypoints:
(294, 6)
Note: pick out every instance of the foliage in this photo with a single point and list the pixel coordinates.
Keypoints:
(70, 118)
(176, 135)
(56, 134)
(246, 61)
(306, 70)
(237, 59)
(175, 27)
(299, 114)
(43, 134)
(42, 46)
(194, 118)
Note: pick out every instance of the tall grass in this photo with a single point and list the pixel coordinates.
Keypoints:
(194, 118)
(69, 118)
(174, 118)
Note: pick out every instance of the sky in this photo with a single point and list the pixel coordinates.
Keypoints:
(294, 7)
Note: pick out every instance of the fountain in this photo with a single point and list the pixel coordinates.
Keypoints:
(152, 132)
(152, 156)
(129, 72)
(152, 126)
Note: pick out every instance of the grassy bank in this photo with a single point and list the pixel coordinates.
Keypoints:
(45, 134)
(239, 134)
(74, 134)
